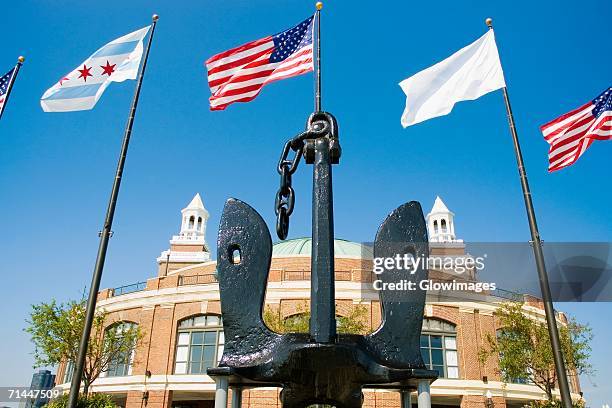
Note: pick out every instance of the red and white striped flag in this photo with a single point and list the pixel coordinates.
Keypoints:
(570, 135)
(237, 75)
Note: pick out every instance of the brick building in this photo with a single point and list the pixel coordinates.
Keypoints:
(178, 312)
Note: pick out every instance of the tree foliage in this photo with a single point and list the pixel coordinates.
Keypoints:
(55, 329)
(96, 400)
(555, 404)
(355, 322)
(523, 348)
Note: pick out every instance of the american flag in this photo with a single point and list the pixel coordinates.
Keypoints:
(570, 135)
(4, 83)
(237, 75)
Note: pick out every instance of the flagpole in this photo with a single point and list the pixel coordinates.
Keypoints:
(319, 6)
(536, 243)
(105, 235)
(20, 62)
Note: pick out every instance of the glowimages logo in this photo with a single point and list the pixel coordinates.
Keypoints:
(428, 284)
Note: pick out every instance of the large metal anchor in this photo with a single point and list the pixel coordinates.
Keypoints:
(320, 367)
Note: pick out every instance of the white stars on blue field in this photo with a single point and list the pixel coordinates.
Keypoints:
(603, 103)
(289, 41)
(4, 81)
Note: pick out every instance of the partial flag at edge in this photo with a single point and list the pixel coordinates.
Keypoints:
(571, 134)
(4, 84)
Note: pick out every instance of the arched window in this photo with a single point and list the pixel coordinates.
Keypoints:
(443, 225)
(199, 223)
(191, 222)
(439, 347)
(436, 226)
(121, 364)
(199, 344)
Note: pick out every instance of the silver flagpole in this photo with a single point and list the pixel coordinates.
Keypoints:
(75, 386)
(536, 243)
(20, 61)
(319, 6)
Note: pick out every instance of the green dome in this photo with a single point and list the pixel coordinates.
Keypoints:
(302, 246)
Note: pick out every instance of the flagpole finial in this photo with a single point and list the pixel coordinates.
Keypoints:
(155, 17)
(489, 22)
(319, 5)
(21, 59)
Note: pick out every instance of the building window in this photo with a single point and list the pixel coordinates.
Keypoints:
(69, 372)
(199, 344)
(199, 223)
(524, 379)
(121, 364)
(439, 347)
(436, 226)
(518, 380)
(443, 225)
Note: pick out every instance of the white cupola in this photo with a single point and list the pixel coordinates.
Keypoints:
(193, 225)
(189, 246)
(440, 223)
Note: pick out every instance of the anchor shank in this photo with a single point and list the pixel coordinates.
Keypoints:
(322, 300)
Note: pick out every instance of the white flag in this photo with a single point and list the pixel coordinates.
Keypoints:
(466, 75)
(80, 89)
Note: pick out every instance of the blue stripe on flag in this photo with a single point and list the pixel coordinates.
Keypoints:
(82, 91)
(116, 49)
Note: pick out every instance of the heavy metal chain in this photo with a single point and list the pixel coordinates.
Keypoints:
(285, 196)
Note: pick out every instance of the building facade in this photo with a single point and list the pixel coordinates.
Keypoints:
(178, 313)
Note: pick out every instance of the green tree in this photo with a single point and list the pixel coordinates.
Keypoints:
(55, 329)
(354, 322)
(93, 401)
(523, 348)
(555, 404)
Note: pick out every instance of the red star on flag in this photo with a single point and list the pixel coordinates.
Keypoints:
(61, 81)
(108, 69)
(85, 72)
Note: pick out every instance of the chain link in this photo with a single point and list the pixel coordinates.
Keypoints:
(284, 202)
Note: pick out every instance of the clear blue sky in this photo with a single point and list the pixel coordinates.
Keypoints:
(56, 170)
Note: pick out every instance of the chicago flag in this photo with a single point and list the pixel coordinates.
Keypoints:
(114, 62)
